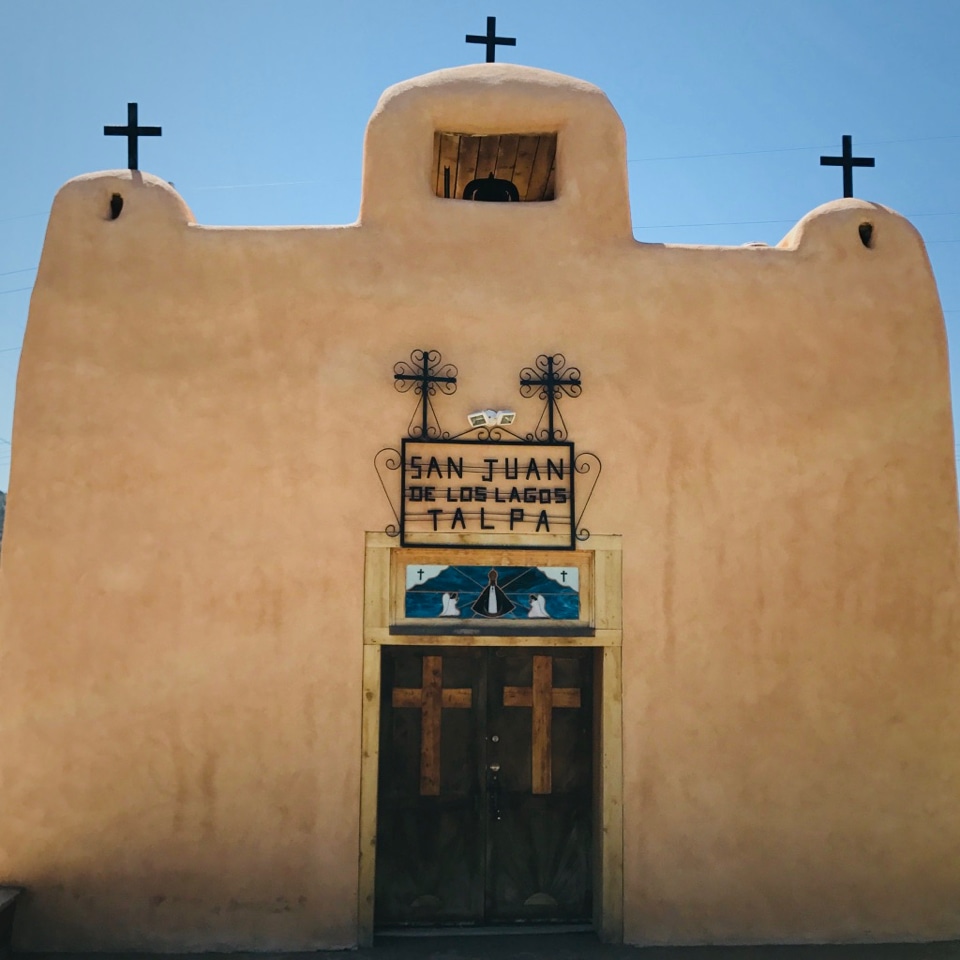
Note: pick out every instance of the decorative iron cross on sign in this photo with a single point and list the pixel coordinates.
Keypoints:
(551, 378)
(431, 698)
(544, 698)
(425, 374)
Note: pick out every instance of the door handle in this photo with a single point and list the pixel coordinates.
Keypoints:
(493, 789)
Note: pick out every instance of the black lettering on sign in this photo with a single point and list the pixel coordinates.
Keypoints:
(528, 487)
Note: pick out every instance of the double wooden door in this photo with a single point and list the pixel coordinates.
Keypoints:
(484, 810)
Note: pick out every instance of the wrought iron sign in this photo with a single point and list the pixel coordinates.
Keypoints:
(425, 375)
(454, 487)
(487, 486)
(549, 380)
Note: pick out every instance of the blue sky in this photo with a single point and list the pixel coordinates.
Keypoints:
(728, 105)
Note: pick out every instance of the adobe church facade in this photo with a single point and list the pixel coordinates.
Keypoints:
(291, 651)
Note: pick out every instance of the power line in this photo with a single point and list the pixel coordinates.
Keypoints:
(10, 273)
(745, 223)
(715, 223)
(23, 216)
(653, 226)
(684, 156)
(750, 153)
(732, 153)
(245, 186)
(16, 290)
(880, 143)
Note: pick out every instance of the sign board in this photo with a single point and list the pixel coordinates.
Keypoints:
(482, 494)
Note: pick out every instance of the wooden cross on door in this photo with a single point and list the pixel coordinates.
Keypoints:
(431, 698)
(544, 698)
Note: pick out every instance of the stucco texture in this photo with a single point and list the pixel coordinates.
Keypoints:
(181, 594)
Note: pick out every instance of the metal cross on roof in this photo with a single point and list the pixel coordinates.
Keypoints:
(550, 379)
(491, 40)
(132, 132)
(425, 375)
(848, 161)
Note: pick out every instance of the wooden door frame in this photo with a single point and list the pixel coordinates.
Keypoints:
(602, 611)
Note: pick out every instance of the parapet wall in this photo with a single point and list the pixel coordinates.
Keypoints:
(181, 595)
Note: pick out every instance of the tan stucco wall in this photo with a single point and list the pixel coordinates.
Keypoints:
(197, 415)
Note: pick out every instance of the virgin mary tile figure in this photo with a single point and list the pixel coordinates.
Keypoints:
(492, 602)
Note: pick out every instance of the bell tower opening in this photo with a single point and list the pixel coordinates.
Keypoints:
(499, 167)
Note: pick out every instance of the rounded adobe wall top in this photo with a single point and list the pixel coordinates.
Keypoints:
(591, 169)
(478, 75)
(144, 196)
(834, 227)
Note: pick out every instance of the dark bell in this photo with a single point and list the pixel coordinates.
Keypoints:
(492, 190)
